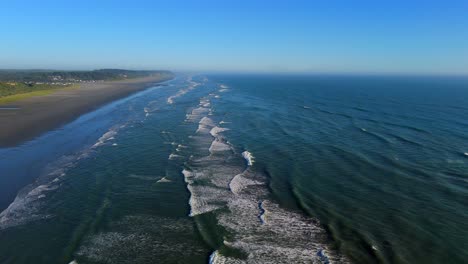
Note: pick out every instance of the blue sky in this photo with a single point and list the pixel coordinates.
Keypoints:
(279, 36)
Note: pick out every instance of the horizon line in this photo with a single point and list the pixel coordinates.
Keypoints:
(299, 72)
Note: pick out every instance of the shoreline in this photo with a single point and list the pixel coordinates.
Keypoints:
(24, 120)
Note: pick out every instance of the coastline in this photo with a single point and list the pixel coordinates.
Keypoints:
(27, 119)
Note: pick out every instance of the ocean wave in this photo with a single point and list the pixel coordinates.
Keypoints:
(164, 180)
(174, 156)
(248, 157)
(141, 239)
(109, 135)
(219, 146)
(26, 206)
(224, 88)
(191, 85)
(238, 198)
(217, 258)
(196, 113)
(216, 130)
(241, 182)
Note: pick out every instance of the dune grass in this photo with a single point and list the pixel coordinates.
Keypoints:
(20, 96)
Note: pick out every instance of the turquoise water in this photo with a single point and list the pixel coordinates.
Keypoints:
(248, 169)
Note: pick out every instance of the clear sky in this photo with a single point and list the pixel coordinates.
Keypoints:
(397, 36)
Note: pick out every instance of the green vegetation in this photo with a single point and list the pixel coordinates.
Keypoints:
(10, 92)
(20, 84)
(74, 76)
(12, 88)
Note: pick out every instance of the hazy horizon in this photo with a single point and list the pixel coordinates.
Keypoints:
(364, 37)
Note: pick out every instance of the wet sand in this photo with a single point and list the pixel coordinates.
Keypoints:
(26, 119)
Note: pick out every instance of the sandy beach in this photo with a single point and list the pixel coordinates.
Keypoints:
(26, 119)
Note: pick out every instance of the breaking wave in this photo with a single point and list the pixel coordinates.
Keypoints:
(237, 197)
(192, 85)
(28, 203)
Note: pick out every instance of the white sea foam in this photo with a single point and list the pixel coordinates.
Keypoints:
(216, 130)
(248, 157)
(27, 204)
(224, 88)
(241, 182)
(238, 198)
(196, 113)
(25, 207)
(217, 258)
(218, 146)
(133, 239)
(109, 135)
(175, 156)
(191, 85)
(164, 180)
(206, 121)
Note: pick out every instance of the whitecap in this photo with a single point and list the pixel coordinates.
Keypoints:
(109, 135)
(248, 157)
(174, 156)
(216, 130)
(218, 146)
(164, 180)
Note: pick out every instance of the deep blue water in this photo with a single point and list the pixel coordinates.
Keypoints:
(249, 168)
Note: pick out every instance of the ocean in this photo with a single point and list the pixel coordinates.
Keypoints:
(245, 168)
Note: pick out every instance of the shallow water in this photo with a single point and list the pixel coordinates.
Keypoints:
(248, 169)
